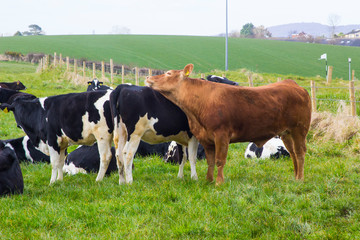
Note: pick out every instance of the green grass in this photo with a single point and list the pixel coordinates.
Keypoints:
(259, 200)
(207, 53)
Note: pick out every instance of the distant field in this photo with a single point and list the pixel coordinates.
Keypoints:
(207, 53)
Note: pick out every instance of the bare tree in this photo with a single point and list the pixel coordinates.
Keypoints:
(333, 21)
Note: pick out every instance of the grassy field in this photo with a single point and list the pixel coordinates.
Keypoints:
(207, 53)
(259, 200)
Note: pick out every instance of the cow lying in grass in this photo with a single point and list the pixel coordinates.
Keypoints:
(52, 123)
(25, 150)
(220, 114)
(13, 85)
(274, 148)
(11, 179)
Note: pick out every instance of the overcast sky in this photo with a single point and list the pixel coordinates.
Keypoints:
(185, 17)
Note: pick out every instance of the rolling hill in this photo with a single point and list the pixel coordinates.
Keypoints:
(206, 53)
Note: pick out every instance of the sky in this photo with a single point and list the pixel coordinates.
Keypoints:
(166, 17)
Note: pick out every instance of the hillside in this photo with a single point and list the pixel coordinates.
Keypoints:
(206, 53)
(314, 29)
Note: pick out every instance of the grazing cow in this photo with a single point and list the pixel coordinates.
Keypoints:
(11, 179)
(214, 78)
(86, 159)
(96, 85)
(25, 150)
(8, 95)
(142, 113)
(52, 123)
(274, 148)
(13, 85)
(220, 114)
(175, 153)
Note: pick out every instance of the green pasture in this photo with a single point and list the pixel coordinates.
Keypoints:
(207, 53)
(259, 200)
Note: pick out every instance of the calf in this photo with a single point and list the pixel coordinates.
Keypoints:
(52, 123)
(11, 178)
(220, 114)
(13, 85)
(175, 153)
(214, 78)
(142, 113)
(96, 85)
(25, 150)
(274, 148)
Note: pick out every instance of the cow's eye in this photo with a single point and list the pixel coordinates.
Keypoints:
(168, 73)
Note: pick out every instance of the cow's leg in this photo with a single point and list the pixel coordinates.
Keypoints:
(104, 147)
(210, 158)
(55, 163)
(221, 150)
(300, 150)
(183, 161)
(129, 153)
(289, 144)
(61, 165)
(192, 147)
(120, 136)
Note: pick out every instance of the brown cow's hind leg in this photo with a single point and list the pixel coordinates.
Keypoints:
(300, 150)
(289, 144)
(221, 150)
(210, 158)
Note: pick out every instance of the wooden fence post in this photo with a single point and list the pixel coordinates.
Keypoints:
(203, 75)
(102, 70)
(352, 98)
(41, 65)
(150, 72)
(279, 79)
(136, 76)
(313, 96)
(75, 67)
(94, 70)
(54, 59)
(329, 78)
(223, 75)
(84, 70)
(122, 74)
(60, 60)
(67, 64)
(251, 84)
(353, 75)
(111, 71)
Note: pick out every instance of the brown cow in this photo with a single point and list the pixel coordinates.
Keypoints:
(220, 114)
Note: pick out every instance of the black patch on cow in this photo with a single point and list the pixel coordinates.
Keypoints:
(8, 95)
(146, 149)
(256, 150)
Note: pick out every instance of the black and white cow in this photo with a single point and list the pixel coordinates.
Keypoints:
(9, 95)
(11, 178)
(86, 159)
(96, 85)
(13, 85)
(52, 123)
(175, 154)
(214, 78)
(140, 113)
(25, 150)
(274, 148)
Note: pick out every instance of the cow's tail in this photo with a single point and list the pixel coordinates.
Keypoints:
(114, 106)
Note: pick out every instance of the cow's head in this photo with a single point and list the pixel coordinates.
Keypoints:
(7, 107)
(170, 80)
(20, 86)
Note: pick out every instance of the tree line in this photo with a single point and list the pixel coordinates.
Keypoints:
(34, 29)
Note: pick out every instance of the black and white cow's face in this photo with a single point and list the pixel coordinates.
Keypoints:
(174, 154)
(214, 78)
(274, 148)
(96, 85)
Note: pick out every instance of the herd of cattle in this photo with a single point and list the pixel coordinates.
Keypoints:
(144, 121)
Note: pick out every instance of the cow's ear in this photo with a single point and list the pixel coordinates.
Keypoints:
(188, 69)
(6, 107)
(18, 82)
